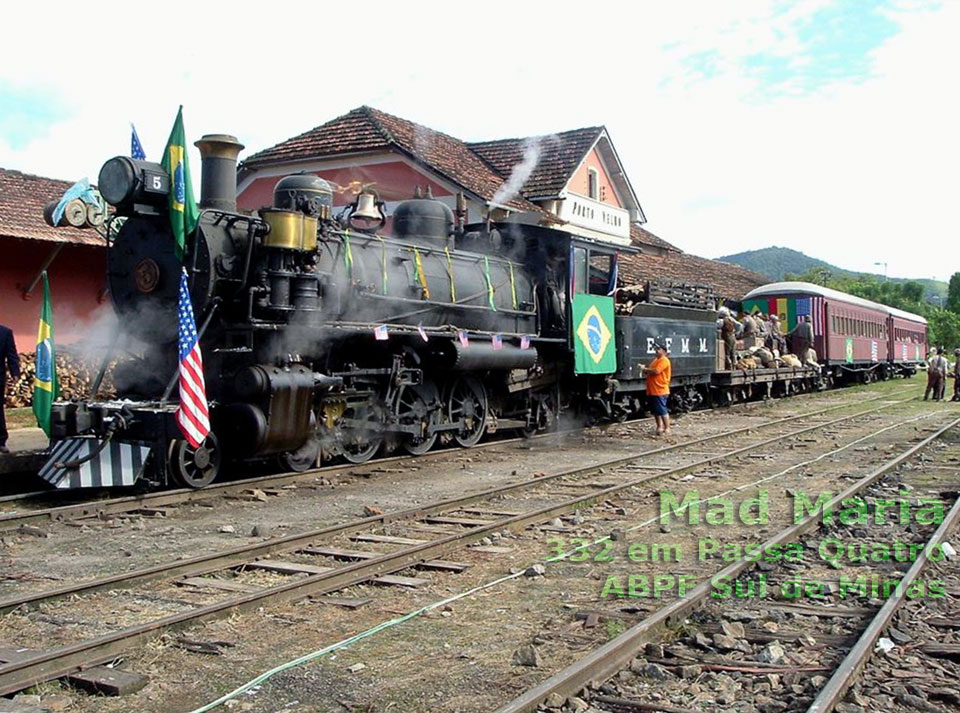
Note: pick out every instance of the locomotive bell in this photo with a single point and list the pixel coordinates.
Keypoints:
(367, 212)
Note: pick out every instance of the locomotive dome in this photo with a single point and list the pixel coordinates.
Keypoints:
(423, 218)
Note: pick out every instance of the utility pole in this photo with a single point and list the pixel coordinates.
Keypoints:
(884, 269)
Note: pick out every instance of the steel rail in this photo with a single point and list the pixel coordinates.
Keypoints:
(856, 659)
(604, 662)
(202, 564)
(95, 508)
(39, 666)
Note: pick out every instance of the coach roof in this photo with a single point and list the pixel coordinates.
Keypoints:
(808, 288)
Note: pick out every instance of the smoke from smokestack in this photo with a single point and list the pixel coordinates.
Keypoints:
(520, 172)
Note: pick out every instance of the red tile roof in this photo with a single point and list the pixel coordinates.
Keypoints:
(559, 156)
(22, 200)
(641, 236)
(367, 129)
(727, 281)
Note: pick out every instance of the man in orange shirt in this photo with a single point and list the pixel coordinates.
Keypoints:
(658, 388)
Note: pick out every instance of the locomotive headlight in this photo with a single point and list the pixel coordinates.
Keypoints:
(126, 182)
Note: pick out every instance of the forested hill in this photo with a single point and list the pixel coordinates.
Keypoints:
(777, 263)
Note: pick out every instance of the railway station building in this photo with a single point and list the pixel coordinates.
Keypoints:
(572, 180)
(75, 261)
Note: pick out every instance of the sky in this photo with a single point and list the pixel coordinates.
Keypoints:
(827, 126)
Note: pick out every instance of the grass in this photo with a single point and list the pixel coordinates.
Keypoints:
(614, 627)
(20, 418)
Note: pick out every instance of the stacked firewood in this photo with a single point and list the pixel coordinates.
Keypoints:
(75, 374)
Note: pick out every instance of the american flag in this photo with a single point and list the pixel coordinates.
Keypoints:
(193, 416)
(811, 307)
(136, 148)
(497, 341)
(464, 339)
(380, 333)
(524, 342)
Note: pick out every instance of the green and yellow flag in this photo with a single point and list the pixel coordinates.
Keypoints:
(45, 385)
(183, 208)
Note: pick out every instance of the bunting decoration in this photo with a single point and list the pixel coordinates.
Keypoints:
(486, 276)
(453, 287)
(421, 276)
(383, 265)
(347, 254)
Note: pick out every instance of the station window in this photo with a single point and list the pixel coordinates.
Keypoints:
(593, 183)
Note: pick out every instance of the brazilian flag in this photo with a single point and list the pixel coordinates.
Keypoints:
(183, 209)
(45, 385)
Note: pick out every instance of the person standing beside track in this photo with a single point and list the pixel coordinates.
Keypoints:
(658, 388)
(8, 361)
(936, 375)
(956, 375)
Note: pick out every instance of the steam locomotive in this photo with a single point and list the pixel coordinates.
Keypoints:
(324, 338)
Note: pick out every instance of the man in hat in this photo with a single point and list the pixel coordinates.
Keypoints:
(802, 336)
(775, 342)
(8, 361)
(936, 375)
(956, 375)
(728, 333)
(658, 388)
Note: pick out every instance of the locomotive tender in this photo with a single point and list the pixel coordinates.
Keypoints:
(324, 338)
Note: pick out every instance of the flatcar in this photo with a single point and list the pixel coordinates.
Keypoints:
(856, 340)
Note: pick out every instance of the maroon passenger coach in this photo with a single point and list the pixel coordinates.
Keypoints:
(855, 339)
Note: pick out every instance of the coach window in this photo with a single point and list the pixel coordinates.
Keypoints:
(600, 267)
(579, 271)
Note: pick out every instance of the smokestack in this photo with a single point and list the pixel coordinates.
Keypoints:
(219, 177)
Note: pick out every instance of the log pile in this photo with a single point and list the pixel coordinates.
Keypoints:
(75, 373)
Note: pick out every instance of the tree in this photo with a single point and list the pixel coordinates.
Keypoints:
(944, 328)
(953, 293)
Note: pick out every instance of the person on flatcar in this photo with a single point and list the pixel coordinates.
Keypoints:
(775, 341)
(658, 375)
(802, 337)
(749, 325)
(728, 333)
(762, 325)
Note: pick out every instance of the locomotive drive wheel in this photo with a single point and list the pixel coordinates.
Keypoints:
(544, 416)
(194, 467)
(467, 402)
(358, 444)
(304, 458)
(419, 405)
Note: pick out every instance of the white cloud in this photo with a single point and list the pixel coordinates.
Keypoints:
(853, 173)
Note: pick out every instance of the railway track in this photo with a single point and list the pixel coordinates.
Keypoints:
(710, 654)
(474, 517)
(90, 508)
